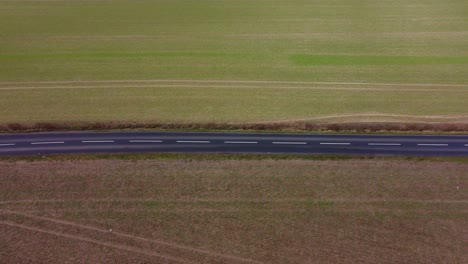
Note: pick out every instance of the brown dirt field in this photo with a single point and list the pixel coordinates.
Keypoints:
(244, 211)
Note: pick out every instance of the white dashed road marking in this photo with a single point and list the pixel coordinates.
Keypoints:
(193, 141)
(290, 143)
(97, 141)
(8, 144)
(240, 142)
(434, 145)
(47, 143)
(335, 143)
(384, 144)
(145, 141)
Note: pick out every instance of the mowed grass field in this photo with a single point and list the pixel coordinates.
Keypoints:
(319, 60)
(233, 211)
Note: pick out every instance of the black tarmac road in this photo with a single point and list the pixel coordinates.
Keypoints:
(124, 142)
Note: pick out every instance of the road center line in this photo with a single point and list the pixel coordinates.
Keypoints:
(145, 141)
(384, 144)
(47, 143)
(434, 145)
(335, 143)
(290, 143)
(193, 141)
(7, 144)
(97, 141)
(466, 145)
(240, 142)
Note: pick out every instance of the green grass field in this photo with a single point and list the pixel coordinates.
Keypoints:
(376, 50)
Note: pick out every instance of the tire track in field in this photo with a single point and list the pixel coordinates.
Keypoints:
(215, 200)
(93, 241)
(364, 115)
(383, 89)
(155, 241)
(233, 81)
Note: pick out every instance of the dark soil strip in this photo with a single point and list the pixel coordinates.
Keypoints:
(356, 127)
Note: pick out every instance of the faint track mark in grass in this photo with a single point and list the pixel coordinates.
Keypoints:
(201, 86)
(306, 59)
(127, 55)
(265, 82)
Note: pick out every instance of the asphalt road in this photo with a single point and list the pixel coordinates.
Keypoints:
(120, 142)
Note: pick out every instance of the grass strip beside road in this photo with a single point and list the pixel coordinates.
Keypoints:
(225, 157)
(280, 127)
(205, 104)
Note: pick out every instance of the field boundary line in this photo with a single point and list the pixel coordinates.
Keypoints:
(383, 89)
(156, 241)
(93, 241)
(235, 81)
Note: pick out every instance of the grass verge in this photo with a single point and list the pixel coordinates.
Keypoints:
(224, 157)
(266, 127)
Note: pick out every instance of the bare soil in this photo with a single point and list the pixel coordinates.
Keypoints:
(233, 211)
